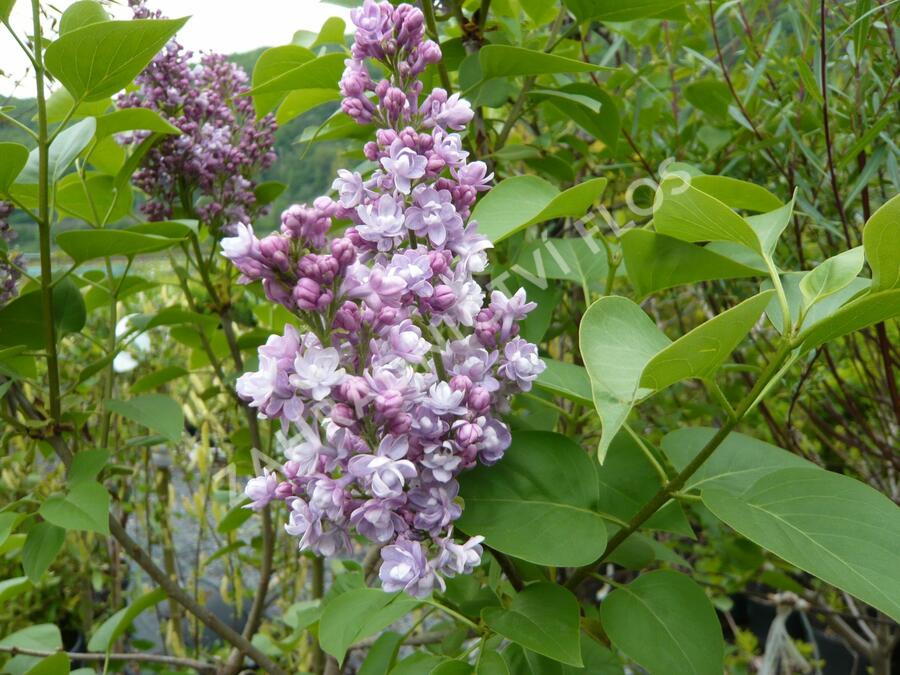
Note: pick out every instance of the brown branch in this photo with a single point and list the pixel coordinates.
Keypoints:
(823, 52)
(737, 98)
(112, 656)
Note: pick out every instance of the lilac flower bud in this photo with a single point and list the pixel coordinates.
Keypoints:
(443, 298)
(479, 399)
(285, 490)
(460, 383)
(343, 251)
(306, 294)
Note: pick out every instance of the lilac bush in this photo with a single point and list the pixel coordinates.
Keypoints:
(207, 170)
(10, 263)
(398, 379)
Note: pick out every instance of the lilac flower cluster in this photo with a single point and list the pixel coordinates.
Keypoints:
(208, 168)
(396, 384)
(10, 262)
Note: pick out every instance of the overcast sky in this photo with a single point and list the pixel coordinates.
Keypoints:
(217, 25)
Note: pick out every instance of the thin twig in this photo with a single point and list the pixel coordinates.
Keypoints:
(113, 656)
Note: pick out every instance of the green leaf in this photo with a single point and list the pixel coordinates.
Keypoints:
(686, 636)
(542, 617)
(417, 663)
(655, 262)
(10, 588)
(699, 353)
(831, 276)
(452, 667)
(273, 63)
(358, 613)
(87, 464)
(81, 13)
(615, 10)
(737, 194)
(490, 663)
(521, 201)
(818, 312)
(331, 32)
(104, 637)
(84, 245)
(735, 465)
(98, 201)
(300, 101)
(131, 119)
(172, 229)
(55, 664)
(323, 72)
(710, 96)
(12, 160)
(628, 481)
(580, 260)
(684, 212)
(381, 654)
(44, 637)
(588, 106)
(617, 341)
(236, 516)
(85, 507)
(869, 309)
(769, 226)
(881, 239)
(60, 104)
(6, 9)
(268, 192)
(567, 380)
(537, 503)
(157, 379)
(509, 61)
(156, 412)
(63, 151)
(42, 545)
(96, 61)
(21, 321)
(829, 525)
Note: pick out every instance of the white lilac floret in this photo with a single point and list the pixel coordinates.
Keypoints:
(397, 383)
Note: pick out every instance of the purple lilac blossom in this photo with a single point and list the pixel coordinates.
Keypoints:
(206, 170)
(10, 261)
(399, 382)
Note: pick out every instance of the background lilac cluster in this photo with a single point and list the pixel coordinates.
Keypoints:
(206, 171)
(396, 384)
(10, 262)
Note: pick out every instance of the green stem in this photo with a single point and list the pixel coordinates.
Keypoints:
(44, 221)
(666, 492)
(431, 24)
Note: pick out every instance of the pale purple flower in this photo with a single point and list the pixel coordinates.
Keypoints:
(433, 215)
(404, 567)
(388, 476)
(404, 165)
(261, 490)
(521, 363)
(317, 371)
(350, 188)
(442, 459)
(435, 506)
(378, 519)
(459, 558)
(382, 222)
(442, 399)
